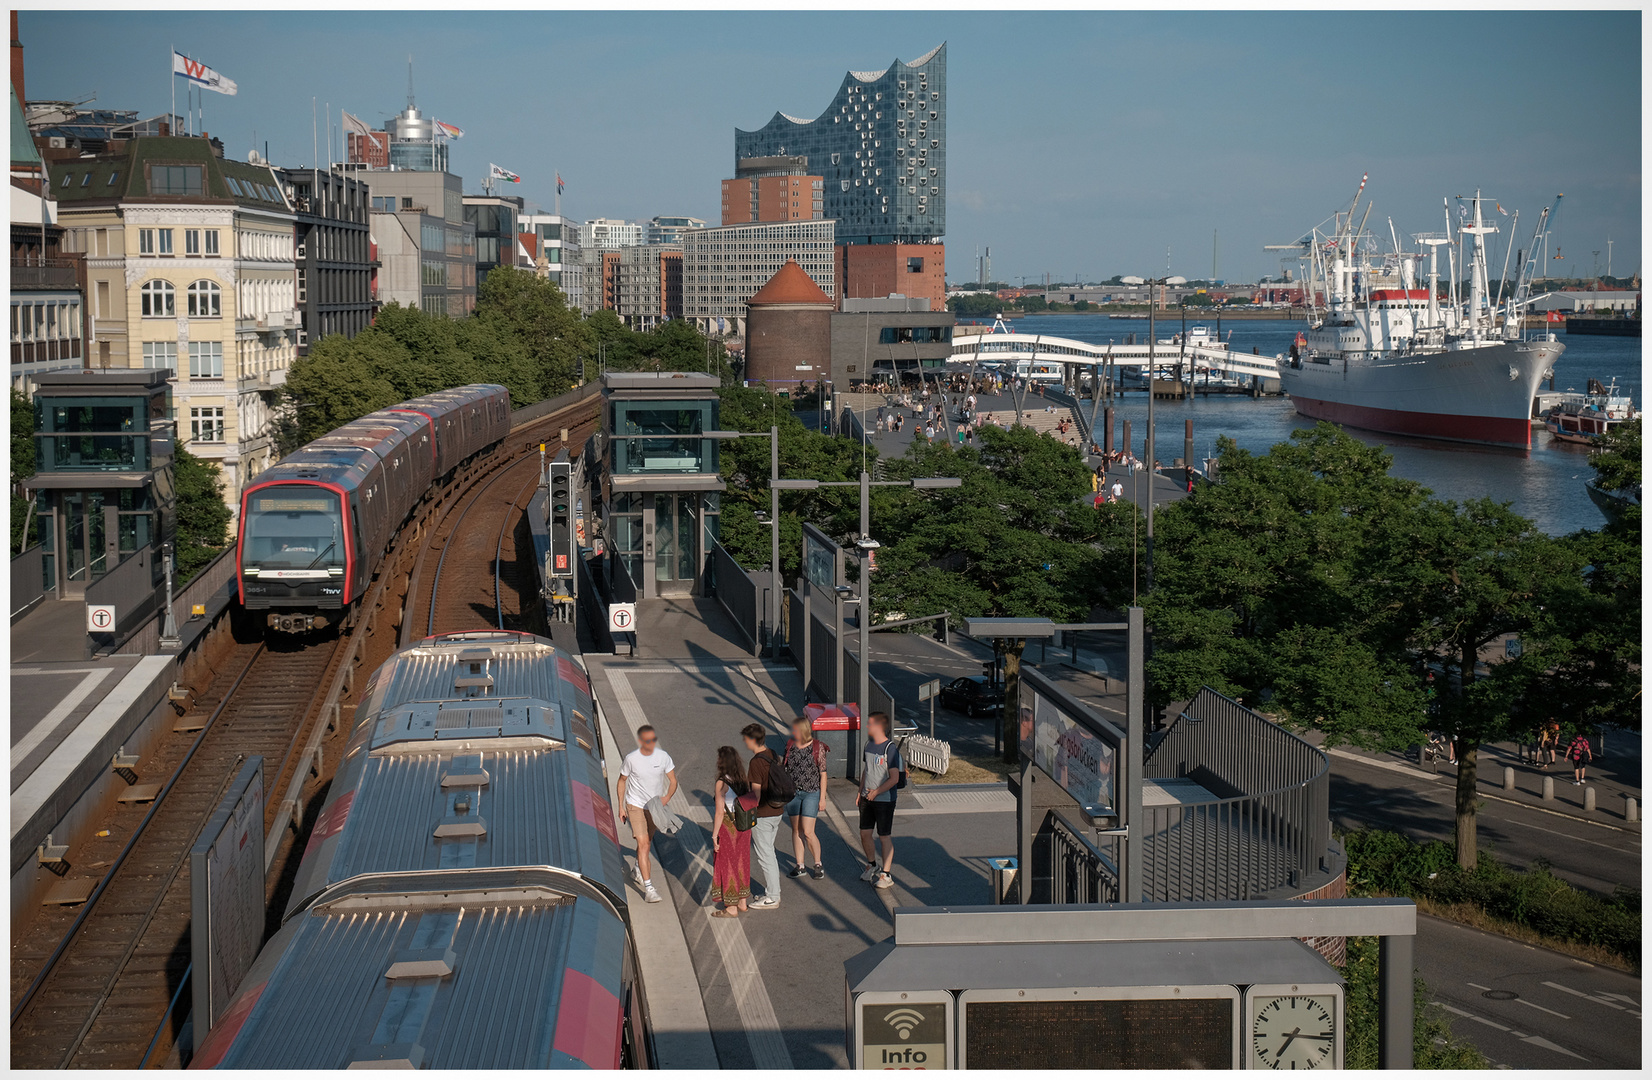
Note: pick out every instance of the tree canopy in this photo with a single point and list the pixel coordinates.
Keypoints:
(203, 518)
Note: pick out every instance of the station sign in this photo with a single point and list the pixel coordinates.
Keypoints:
(100, 618)
(930, 689)
(622, 618)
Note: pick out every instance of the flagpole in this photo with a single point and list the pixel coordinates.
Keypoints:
(172, 115)
(315, 153)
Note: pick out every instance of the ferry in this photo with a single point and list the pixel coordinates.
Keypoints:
(1588, 417)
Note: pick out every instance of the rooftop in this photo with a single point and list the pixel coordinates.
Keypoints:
(790, 285)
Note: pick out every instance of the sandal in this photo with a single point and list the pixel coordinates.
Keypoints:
(725, 913)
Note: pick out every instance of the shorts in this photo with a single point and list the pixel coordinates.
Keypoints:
(640, 820)
(880, 814)
(804, 804)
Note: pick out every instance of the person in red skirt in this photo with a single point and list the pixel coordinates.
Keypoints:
(731, 847)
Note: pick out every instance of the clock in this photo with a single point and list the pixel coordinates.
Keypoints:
(1293, 1027)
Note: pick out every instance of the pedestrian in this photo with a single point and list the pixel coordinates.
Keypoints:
(805, 762)
(1118, 490)
(1580, 755)
(648, 773)
(1551, 743)
(759, 774)
(882, 770)
(730, 844)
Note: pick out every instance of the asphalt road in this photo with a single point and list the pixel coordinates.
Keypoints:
(1528, 1008)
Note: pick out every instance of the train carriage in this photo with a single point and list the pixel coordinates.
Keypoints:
(461, 902)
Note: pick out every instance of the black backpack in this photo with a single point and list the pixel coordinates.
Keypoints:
(779, 788)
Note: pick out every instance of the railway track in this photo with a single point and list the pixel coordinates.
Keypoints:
(97, 999)
(102, 986)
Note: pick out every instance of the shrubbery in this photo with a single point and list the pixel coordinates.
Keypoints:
(1389, 864)
(1433, 1045)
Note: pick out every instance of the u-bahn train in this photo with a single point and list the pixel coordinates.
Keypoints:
(314, 525)
(461, 902)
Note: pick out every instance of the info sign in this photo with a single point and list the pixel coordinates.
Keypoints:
(226, 892)
(1080, 754)
(907, 1032)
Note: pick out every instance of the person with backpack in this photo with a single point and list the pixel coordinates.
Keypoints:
(773, 790)
(1581, 755)
(805, 764)
(730, 844)
(882, 773)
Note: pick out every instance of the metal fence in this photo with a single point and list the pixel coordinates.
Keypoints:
(27, 590)
(551, 405)
(738, 593)
(131, 588)
(1267, 830)
(1080, 873)
(211, 585)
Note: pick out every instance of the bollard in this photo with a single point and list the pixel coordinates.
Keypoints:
(1548, 789)
(1589, 800)
(1630, 813)
(1508, 778)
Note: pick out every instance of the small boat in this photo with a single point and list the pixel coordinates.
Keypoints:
(1590, 416)
(1611, 503)
(1199, 336)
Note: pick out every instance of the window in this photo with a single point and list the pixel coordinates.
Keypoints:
(192, 241)
(146, 241)
(233, 186)
(211, 237)
(302, 288)
(915, 266)
(206, 424)
(161, 354)
(113, 177)
(174, 180)
(66, 178)
(157, 299)
(204, 300)
(85, 180)
(163, 241)
(206, 360)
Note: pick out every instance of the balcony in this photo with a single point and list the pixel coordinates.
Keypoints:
(38, 274)
(271, 322)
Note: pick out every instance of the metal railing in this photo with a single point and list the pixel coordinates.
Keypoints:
(44, 274)
(1080, 872)
(1267, 830)
(27, 590)
(737, 592)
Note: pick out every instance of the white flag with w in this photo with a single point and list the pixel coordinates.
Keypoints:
(198, 73)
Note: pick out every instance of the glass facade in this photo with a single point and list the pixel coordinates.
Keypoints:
(673, 444)
(881, 148)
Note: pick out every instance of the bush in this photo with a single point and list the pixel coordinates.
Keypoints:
(1433, 1044)
(1389, 864)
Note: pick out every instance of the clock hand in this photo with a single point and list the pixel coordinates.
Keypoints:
(1286, 1044)
(1320, 1038)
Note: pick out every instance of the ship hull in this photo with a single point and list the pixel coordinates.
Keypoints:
(1481, 396)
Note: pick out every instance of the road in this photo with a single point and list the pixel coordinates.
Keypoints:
(1526, 1007)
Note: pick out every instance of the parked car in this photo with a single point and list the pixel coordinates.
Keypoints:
(971, 695)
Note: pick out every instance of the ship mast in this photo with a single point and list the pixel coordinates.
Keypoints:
(1477, 267)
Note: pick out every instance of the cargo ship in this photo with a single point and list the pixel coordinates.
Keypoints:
(1385, 352)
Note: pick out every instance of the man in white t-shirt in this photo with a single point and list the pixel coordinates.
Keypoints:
(648, 773)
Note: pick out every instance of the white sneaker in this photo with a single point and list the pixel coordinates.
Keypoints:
(766, 902)
(650, 894)
(870, 872)
(884, 881)
(637, 878)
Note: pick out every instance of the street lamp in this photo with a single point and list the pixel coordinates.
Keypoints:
(774, 526)
(1152, 362)
(866, 546)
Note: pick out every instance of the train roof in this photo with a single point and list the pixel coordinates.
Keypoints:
(493, 970)
(470, 750)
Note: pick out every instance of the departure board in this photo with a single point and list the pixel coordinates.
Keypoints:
(288, 504)
(1175, 1033)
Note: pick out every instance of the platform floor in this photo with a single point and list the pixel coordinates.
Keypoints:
(56, 630)
(49, 700)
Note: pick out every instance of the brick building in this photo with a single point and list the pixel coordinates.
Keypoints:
(789, 331)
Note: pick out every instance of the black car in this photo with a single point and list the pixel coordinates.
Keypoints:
(972, 695)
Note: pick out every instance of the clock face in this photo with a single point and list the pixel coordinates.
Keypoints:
(1294, 1032)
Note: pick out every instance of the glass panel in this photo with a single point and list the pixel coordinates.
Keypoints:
(665, 537)
(97, 556)
(685, 537)
(293, 527)
(675, 451)
(93, 453)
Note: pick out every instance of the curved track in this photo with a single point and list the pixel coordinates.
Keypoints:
(102, 986)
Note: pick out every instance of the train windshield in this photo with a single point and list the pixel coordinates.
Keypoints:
(293, 527)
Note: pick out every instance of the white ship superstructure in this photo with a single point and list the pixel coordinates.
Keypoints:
(1387, 353)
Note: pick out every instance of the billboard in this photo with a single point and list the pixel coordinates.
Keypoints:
(1078, 749)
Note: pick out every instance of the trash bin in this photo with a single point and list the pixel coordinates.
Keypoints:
(1001, 873)
(832, 724)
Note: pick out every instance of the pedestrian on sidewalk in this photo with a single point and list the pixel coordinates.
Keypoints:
(648, 773)
(882, 770)
(1118, 490)
(805, 762)
(730, 844)
(1580, 755)
(1550, 744)
(759, 774)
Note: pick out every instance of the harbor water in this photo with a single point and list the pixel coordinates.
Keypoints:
(1544, 484)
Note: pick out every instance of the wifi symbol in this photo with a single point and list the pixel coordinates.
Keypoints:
(904, 1020)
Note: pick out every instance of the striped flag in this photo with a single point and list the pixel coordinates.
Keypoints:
(496, 173)
(559, 183)
(448, 131)
(198, 73)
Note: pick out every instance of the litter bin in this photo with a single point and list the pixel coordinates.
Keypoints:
(1001, 873)
(832, 724)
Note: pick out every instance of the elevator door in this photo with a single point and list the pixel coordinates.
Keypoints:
(675, 558)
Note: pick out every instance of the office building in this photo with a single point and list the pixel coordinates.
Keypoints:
(190, 268)
(788, 331)
(893, 336)
(494, 218)
(369, 148)
(772, 189)
(426, 248)
(607, 234)
(557, 243)
(723, 267)
(880, 148)
(647, 284)
(334, 254)
(872, 271)
(47, 285)
(669, 230)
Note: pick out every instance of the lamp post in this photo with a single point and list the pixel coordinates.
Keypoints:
(866, 546)
(1152, 360)
(774, 526)
(169, 628)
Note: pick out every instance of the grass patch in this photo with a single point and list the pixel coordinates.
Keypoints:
(962, 770)
(1532, 905)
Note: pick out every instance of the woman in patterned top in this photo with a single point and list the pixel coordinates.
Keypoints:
(805, 762)
(731, 847)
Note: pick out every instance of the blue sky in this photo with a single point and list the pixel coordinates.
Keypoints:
(1080, 144)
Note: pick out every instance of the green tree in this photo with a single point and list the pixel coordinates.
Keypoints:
(1617, 463)
(203, 517)
(22, 467)
(535, 311)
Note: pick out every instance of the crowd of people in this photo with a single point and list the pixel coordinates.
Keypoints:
(752, 794)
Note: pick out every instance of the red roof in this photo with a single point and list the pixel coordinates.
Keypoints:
(1378, 295)
(790, 285)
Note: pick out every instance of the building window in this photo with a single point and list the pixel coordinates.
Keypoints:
(174, 180)
(204, 300)
(211, 237)
(192, 241)
(146, 241)
(206, 424)
(206, 360)
(158, 299)
(163, 241)
(161, 354)
(303, 289)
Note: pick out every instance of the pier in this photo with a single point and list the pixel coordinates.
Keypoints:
(1024, 352)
